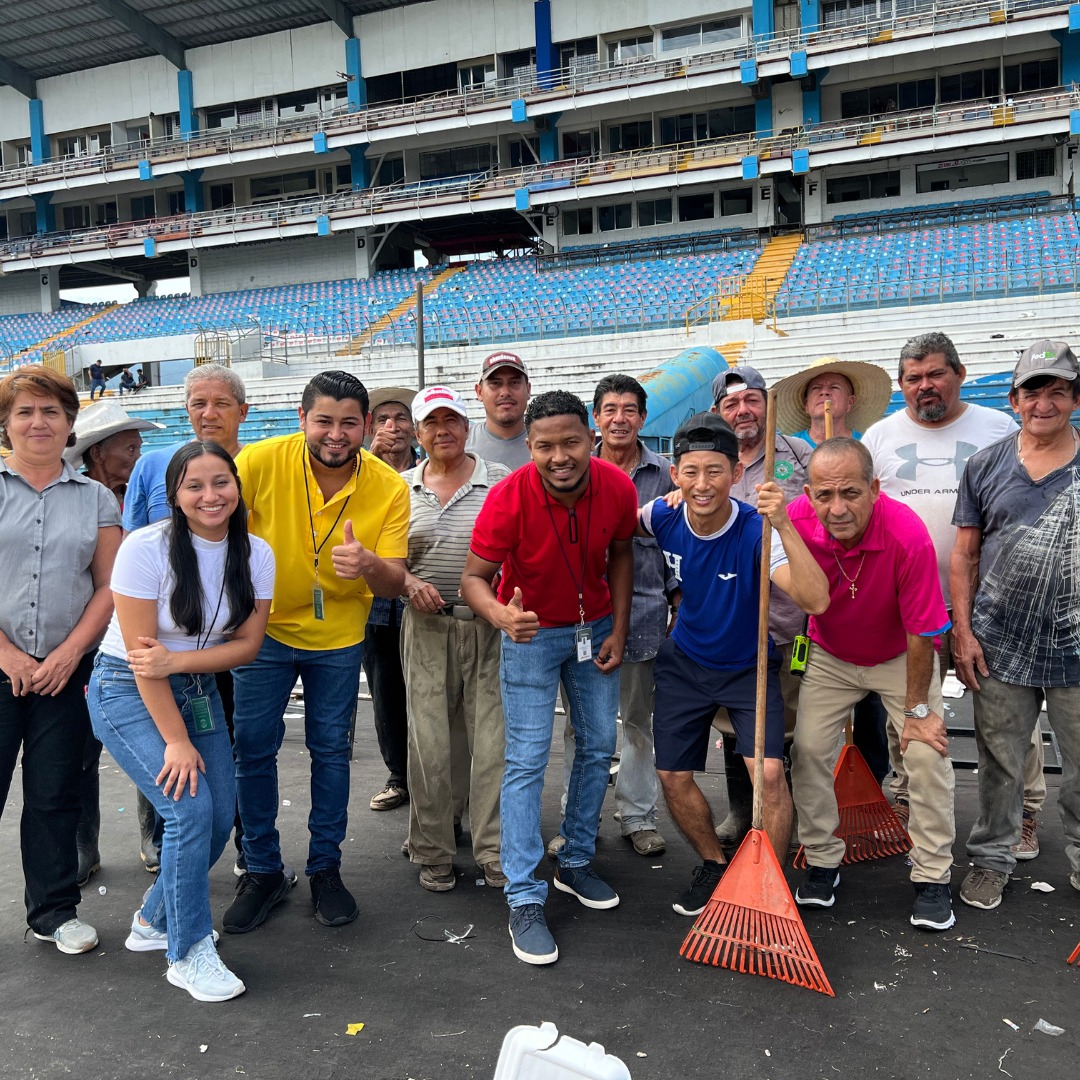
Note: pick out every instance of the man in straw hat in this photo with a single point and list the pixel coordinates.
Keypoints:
(1016, 598)
(919, 455)
(877, 635)
(390, 433)
(712, 544)
(107, 445)
(859, 393)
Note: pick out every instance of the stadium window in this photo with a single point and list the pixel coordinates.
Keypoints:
(959, 175)
(617, 216)
(524, 152)
(578, 222)
(144, 207)
(630, 48)
(1031, 75)
(886, 98)
(176, 202)
(455, 161)
(76, 217)
(3, 227)
(24, 155)
(969, 85)
(295, 185)
(391, 170)
(137, 134)
(1034, 163)
(845, 12)
(221, 195)
(342, 178)
(423, 82)
(714, 124)
(83, 145)
(27, 223)
(518, 65)
(843, 189)
(298, 104)
(736, 201)
(697, 35)
(578, 56)
(633, 135)
(696, 207)
(105, 213)
(476, 76)
(580, 144)
(654, 212)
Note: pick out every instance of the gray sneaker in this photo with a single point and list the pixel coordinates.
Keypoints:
(72, 937)
(202, 974)
(983, 888)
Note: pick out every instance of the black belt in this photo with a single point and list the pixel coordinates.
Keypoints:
(457, 611)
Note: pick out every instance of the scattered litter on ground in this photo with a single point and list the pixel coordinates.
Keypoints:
(203, 1048)
(102, 890)
(1001, 1067)
(306, 1015)
(994, 952)
(880, 987)
(447, 1034)
(641, 1053)
(286, 802)
(480, 882)
(354, 1029)
(901, 953)
(1006, 1020)
(768, 1053)
(1042, 886)
(457, 939)
(1048, 1029)
(447, 935)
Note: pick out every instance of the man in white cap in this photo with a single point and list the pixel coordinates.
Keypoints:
(390, 434)
(503, 388)
(1016, 601)
(919, 456)
(450, 659)
(107, 445)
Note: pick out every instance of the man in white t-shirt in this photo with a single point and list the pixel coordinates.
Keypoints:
(919, 457)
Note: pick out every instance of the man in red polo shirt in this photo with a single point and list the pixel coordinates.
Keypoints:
(877, 635)
(560, 528)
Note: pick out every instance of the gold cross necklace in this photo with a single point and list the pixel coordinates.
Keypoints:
(852, 587)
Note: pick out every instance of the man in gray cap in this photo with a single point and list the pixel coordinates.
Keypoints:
(739, 397)
(1015, 576)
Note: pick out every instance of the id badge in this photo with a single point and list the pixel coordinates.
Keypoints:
(202, 714)
(583, 638)
(317, 600)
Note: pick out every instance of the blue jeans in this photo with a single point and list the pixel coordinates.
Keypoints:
(530, 676)
(331, 681)
(196, 828)
(97, 384)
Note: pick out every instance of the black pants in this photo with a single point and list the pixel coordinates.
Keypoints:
(382, 666)
(51, 732)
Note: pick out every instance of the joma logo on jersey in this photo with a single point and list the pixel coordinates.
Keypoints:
(674, 563)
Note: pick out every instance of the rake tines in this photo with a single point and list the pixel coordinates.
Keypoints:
(868, 826)
(751, 923)
(1074, 955)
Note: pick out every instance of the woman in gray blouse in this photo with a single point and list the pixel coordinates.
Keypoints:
(59, 533)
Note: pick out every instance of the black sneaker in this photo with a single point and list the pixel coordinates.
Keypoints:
(256, 894)
(706, 878)
(933, 907)
(817, 888)
(334, 904)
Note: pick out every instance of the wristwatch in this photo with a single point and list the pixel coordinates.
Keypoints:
(920, 712)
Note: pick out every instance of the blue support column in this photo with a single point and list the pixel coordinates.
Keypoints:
(45, 213)
(548, 130)
(763, 18)
(811, 100)
(1070, 55)
(763, 116)
(810, 15)
(355, 85)
(189, 119)
(361, 167)
(39, 141)
(193, 192)
(547, 59)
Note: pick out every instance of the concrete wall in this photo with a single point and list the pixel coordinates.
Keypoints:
(280, 262)
(14, 115)
(570, 20)
(20, 293)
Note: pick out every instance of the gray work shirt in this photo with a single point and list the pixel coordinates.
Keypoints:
(653, 581)
(786, 618)
(439, 536)
(49, 539)
(513, 453)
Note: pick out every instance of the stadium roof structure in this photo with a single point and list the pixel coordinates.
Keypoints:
(42, 38)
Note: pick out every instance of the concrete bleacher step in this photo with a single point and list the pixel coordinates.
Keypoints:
(761, 285)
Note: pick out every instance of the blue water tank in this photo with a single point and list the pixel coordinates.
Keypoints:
(677, 389)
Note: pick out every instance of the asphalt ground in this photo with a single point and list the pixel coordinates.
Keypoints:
(908, 1003)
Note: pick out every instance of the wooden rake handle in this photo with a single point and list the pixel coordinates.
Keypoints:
(763, 621)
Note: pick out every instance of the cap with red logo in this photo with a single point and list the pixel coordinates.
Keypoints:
(437, 397)
(500, 360)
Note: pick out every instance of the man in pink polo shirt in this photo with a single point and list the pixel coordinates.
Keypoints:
(877, 635)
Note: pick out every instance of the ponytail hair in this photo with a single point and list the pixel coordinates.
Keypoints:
(187, 602)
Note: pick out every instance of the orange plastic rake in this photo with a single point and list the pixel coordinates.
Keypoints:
(1074, 955)
(751, 923)
(868, 826)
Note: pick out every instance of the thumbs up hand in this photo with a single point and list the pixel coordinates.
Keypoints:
(351, 559)
(519, 625)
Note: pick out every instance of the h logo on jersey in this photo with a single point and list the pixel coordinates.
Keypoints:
(909, 454)
(674, 563)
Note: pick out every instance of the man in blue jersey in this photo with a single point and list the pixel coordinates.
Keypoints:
(712, 545)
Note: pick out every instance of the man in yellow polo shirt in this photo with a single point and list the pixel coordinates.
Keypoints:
(337, 519)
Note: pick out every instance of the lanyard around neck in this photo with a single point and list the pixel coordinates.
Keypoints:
(311, 518)
(579, 581)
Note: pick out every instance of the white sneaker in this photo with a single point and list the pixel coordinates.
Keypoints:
(72, 937)
(147, 939)
(202, 974)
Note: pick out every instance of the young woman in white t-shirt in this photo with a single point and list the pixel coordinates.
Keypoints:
(192, 598)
